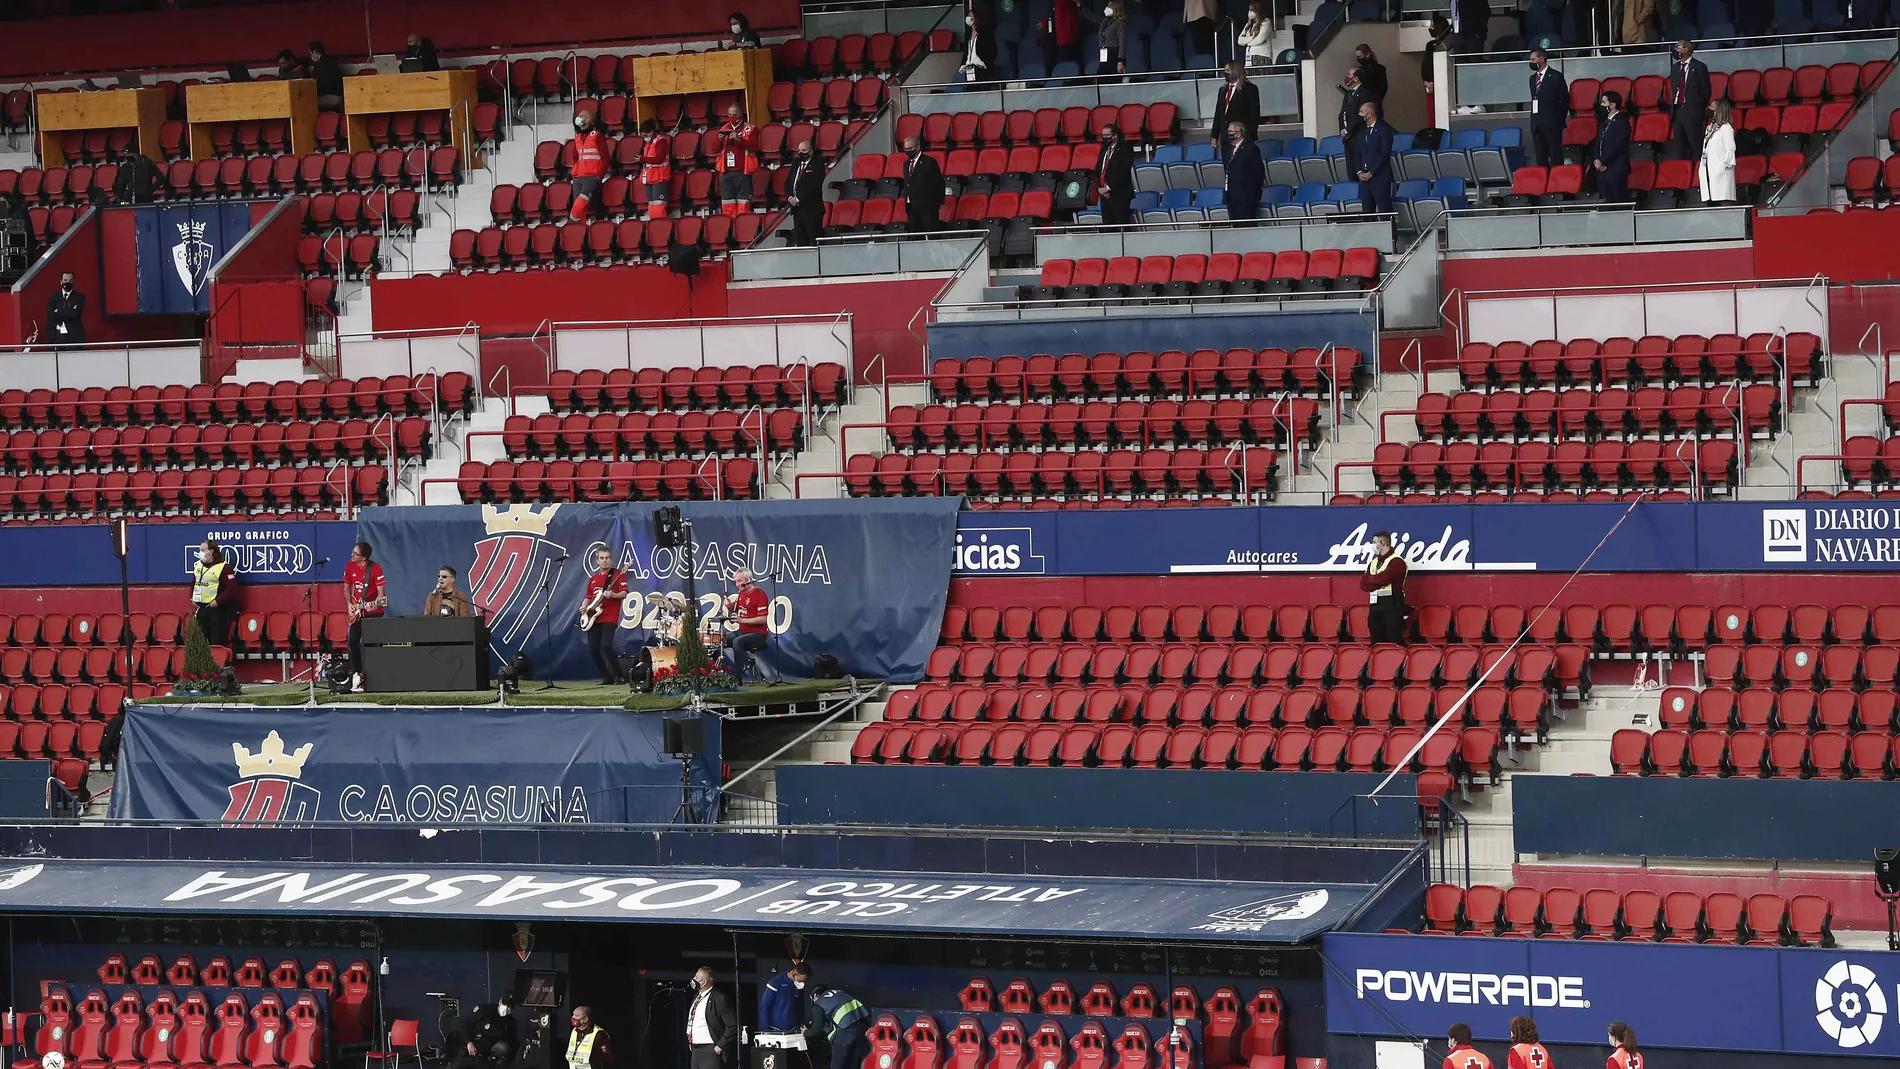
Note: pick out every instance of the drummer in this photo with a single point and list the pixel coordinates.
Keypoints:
(673, 612)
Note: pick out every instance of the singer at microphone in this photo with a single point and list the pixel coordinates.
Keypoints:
(444, 599)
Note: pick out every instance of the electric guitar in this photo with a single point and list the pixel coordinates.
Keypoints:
(357, 608)
(590, 612)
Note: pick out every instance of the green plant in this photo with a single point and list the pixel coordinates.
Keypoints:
(692, 654)
(201, 670)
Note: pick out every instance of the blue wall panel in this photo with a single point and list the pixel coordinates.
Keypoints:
(1164, 799)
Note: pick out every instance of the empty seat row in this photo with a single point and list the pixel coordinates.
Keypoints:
(773, 144)
(1521, 711)
(74, 701)
(343, 255)
(1185, 471)
(1691, 411)
(600, 243)
(856, 53)
(334, 172)
(1465, 754)
(189, 445)
(57, 737)
(1871, 180)
(1870, 460)
(1141, 374)
(834, 98)
(268, 1035)
(1644, 915)
(878, 215)
(1249, 664)
(1721, 708)
(942, 131)
(614, 435)
(1195, 274)
(288, 975)
(602, 480)
(83, 629)
(1812, 84)
(98, 666)
(1511, 466)
(1802, 667)
(351, 211)
(176, 491)
(1274, 421)
(1755, 754)
(53, 187)
(230, 402)
(738, 386)
(1649, 359)
(1232, 1032)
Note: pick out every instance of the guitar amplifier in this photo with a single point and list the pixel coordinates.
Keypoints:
(411, 653)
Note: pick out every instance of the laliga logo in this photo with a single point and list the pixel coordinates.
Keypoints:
(1851, 1004)
(267, 791)
(997, 549)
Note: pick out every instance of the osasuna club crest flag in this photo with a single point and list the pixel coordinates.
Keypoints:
(179, 248)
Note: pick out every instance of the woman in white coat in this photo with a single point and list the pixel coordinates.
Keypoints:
(1718, 158)
(1255, 37)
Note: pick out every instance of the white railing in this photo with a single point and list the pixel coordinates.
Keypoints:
(108, 364)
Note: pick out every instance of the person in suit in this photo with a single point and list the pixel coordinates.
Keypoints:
(65, 314)
(1372, 77)
(1115, 178)
(420, 56)
(1612, 163)
(807, 192)
(1471, 24)
(1237, 102)
(923, 189)
(1246, 175)
(1440, 41)
(1550, 104)
(712, 1029)
(1375, 160)
(1352, 94)
(1689, 97)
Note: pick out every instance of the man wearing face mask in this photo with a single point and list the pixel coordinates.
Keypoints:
(712, 1029)
(782, 1003)
(923, 189)
(495, 1035)
(1550, 104)
(840, 1018)
(590, 164)
(1612, 164)
(587, 1045)
(736, 162)
(1115, 178)
(65, 315)
(807, 186)
(743, 35)
(1371, 74)
(656, 167)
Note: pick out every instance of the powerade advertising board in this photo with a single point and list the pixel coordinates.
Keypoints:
(1794, 1000)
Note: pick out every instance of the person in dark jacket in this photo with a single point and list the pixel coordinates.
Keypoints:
(1471, 24)
(1374, 153)
(979, 49)
(712, 1028)
(807, 192)
(328, 76)
(923, 189)
(1246, 175)
(137, 175)
(1440, 41)
(65, 314)
(1111, 27)
(420, 55)
(494, 1033)
(469, 1057)
(1689, 93)
(289, 66)
(1115, 178)
(1550, 106)
(1237, 102)
(782, 1002)
(839, 1018)
(743, 35)
(1371, 74)
(1612, 155)
(1352, 94)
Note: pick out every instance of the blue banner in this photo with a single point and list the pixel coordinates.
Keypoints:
(1759, 999)
(865, 581)
(251, 766)
(1655, 537)
(178, 245)
(956, 902)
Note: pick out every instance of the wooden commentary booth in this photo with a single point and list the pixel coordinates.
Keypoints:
(748, 70)
(139, 110)
(232, 102)
(452, 91)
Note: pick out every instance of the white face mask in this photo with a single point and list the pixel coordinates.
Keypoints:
(1109, 11)
(205, 557)
(735, 29)
(799, 984)
(969, 20)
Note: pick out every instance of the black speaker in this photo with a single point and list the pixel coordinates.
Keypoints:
(669, 531)
(1887, 869)
(685, 736)
(683, 259)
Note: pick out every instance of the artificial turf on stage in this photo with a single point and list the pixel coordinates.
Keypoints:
(566, 695)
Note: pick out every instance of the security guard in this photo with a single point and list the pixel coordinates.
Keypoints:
(213, 593)
(841, 1018)
(587, 1044)
(1384, 582)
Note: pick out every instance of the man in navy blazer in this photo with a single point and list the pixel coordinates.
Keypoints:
(1246, 174)
(1550, 105)
(1689, 92)
(1613, 151)
(1374, 153)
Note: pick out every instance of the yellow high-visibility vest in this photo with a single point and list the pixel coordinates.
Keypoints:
(580, 1049)
(1384, 591)
(204, 581)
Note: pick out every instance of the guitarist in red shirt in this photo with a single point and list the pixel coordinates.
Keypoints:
(600, 614)
(365, 594)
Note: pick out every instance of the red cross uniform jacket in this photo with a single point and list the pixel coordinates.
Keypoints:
(735, 150)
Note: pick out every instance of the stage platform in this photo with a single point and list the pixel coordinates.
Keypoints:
(565, 695)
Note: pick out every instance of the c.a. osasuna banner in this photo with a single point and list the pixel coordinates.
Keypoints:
(864, 581)
(1094, 907)
(255, 766)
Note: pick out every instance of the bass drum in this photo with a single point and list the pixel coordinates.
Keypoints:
(654, 658)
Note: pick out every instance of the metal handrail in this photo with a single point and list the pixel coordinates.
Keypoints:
(718, 480)
(507, 379)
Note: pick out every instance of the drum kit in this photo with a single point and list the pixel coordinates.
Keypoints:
(664, 652)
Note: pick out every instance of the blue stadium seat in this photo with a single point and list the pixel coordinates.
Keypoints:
(1402, 142)
(1146, 199)
(1066, 69)
(1271, 147)
(1177, 198)
(1185, 175)
(1412, 189)
(1468, 139)
(1345, 195)
(1201, 152)
(1451, 190)
(1301, 147)
(1167, 154)
(1211, 197)
(1275, 195)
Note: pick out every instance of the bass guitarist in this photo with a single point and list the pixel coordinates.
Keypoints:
(600, 614)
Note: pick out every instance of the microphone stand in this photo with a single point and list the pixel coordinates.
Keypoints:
(309, 601)
(548, 582)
